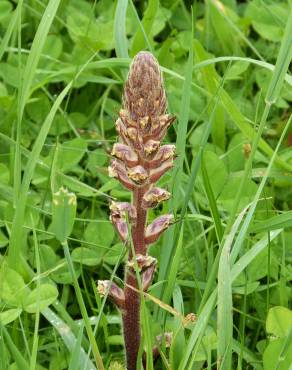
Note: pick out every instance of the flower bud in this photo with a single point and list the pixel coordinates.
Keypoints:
(151, 147)
(132, 133)
(144, 122)
(142, 262)
(156, 228)
(144, 93)
(121, 226)
(125, 153)
(126, 118)
(122, 130)
(154, 196)
(121, 209)
(118, 171)
(156, 173)
(160, 126)
(138, 174)
(165, 152)
(114, 292)
(147, 277)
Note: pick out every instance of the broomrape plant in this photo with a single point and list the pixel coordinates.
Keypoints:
(140, 161)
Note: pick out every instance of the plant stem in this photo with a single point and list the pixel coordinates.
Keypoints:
(131, 315)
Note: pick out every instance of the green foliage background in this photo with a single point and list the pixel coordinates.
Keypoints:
(228, 257)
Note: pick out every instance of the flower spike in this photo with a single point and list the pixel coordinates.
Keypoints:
(140, 161)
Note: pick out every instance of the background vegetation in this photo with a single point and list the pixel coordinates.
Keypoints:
(228, 257)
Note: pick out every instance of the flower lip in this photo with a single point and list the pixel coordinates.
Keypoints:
(154, 196)
(138, 174)
(156, 228)
(143, 262)
(125, 153)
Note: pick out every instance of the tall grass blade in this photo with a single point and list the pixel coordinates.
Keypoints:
(282, 64)
(68, 338)
(27, 79)
(120, 29)
(16, 230)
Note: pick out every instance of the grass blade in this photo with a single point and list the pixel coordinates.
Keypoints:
(168, 246)
(16, 230)
(120, 29)
(68, 338)
(282, 64)
(16, 354)
(212, 202)
(140, 38)
(27, 78)
(224, 310)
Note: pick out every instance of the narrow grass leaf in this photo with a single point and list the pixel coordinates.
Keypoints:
(75, 354)
(33, 358)
(224, 310)
(174, 268)
(280, 221)
(168, 246)
(10, 29)
(15, 353)
(248, 356)
(211, 80)
(68, 338)
(198, 331)
(26, 81)
(83, 309)
(35, 52)
(121, 42)
(139, 40)
(250, 255)
(212, 202)
(16, 230)
(242, 233)
(282, 64)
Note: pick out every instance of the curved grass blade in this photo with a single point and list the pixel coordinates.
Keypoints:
(68, 338)
(16, 354)
(16, 230)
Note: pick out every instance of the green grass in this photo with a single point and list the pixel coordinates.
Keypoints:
(227, 258)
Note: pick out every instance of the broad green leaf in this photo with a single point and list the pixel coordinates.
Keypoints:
(61, 274)
(6, 317)
(268, 19)
(71, 153)
(38, 107)
(113, 254)
(236, 70)
(83, 29)
(5, 10)
(12, 286)
(99, 233)
(3, 240)
(278, 354)
(87, 256)
(53, 46)
(216, 171)
(258, 268)
(40, 298)
(279, 321)
(229, 191)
